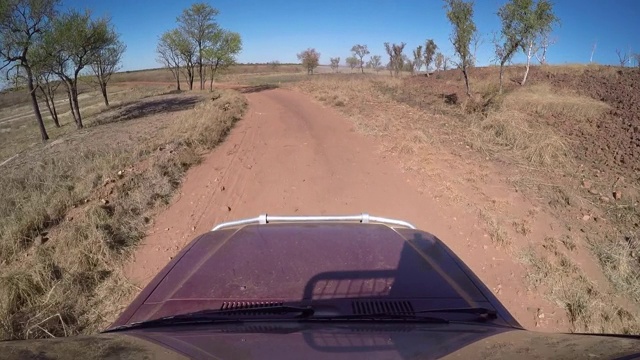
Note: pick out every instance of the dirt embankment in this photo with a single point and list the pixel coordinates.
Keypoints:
(617, 141)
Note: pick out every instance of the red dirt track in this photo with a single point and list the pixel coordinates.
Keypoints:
(291, 155)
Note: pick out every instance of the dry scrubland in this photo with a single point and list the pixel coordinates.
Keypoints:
(569, 141)
(72, 210)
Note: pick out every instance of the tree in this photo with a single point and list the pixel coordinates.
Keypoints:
(188, 55)
(73, 42)
(623, 57)
(438, 61)
(407, 64)
(460, 14)
(417, 58)
(221, 51)
(48, 86)
(275, 64)
(22, 24)
(523, 24)
(429, 52)
(335, 63)
(198, 25)
(310, 59)
(375, 62)
(636, 57)
(396, 61)
(360, 51)
(169, 54)
(352, 61)
(106, 61)
(545, 42)
(45, 79)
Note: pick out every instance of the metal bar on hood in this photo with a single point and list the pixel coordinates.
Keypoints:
(266, 219)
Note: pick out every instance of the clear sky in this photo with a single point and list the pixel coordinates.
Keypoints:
(278, 29)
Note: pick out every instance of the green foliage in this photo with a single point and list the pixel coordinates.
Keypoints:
(352, 61)
(310, 59)
(77, 38)
(198, 22)
(360, 51)
(198, 25)
(429, 53)
(22, 24)
(221, 50)
(523, 21)
(460, 14)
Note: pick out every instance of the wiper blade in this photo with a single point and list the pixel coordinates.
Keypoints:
(220, 316)
(484, 313)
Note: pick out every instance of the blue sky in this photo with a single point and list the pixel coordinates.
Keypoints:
(278, 29)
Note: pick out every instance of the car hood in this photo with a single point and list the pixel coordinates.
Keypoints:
(331, 263)
(309, 341)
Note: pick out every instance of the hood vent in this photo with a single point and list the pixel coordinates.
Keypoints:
(241, 305)
(378, 307)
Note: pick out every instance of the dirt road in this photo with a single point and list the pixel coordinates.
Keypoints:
(291, 155)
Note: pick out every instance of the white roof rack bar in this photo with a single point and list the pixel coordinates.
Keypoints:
(266, 219)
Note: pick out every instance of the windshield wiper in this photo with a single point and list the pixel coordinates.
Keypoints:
(483, 314)
(221, 316)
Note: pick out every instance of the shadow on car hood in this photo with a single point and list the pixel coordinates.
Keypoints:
(310, 262)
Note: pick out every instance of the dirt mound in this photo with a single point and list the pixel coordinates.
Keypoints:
(610, 142)
(615, 145)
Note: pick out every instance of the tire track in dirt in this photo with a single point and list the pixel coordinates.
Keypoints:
(290, 155)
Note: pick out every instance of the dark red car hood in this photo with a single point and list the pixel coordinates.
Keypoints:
(336, 263)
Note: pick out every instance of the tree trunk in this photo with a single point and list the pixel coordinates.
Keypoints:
(34, 104)
(55, 113)
(466, 80)
(51, 109)
(526, 72)
(76, 106)
(200, 73)
(103, 88)
(73, 111)
(214, 70)
(501, 75)
(178, 77)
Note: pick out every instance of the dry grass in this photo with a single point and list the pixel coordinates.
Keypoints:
(516, 136)
(543, 101)
(619, 260)
(72, 211)
(564, 283)
(496, 232)
(20, 135)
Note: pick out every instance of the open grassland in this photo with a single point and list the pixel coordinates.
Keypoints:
(563, 141)
(73, 209)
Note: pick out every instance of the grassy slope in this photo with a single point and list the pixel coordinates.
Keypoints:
(72, 211)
